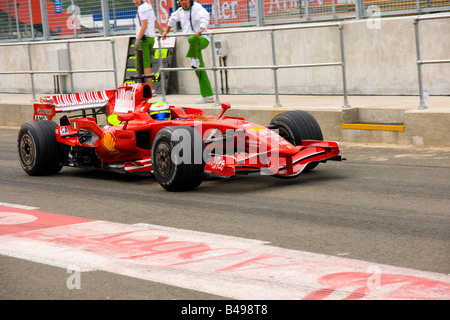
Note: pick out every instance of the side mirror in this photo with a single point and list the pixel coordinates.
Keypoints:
(125, 117)
(225, 107)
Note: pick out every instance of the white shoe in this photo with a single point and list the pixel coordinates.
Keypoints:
(154, 94)
(205, 99)
(195, 63)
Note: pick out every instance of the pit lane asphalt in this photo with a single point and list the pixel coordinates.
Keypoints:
(384, 205)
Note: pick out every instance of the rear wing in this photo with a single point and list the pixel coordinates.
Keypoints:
(48, 106)
(127, 98)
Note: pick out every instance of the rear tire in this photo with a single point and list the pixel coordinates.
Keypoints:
(296, 126)
(177, 158)
(39, 151)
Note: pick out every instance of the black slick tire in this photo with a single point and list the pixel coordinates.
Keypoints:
(296, 126)
(177, 158)
(39, 151)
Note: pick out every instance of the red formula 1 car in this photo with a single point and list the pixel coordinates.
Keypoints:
(180, 146)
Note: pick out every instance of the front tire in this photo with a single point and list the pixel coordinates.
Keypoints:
(177, 158)
(296, 126)
(39, 151)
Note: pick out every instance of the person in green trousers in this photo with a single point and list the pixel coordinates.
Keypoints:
(194, 18)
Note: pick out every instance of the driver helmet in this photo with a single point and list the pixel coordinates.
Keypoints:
(160, 111)
(113, 120)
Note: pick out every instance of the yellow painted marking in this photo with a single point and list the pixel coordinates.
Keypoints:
(370, 126)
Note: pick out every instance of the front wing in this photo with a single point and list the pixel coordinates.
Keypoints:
(272, 163)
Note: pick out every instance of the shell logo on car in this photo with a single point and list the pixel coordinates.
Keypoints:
(109, 142)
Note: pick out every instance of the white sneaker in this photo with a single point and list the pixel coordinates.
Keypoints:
(205, 99)
(195, 63)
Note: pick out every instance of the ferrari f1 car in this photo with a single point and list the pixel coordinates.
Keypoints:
(121, 130)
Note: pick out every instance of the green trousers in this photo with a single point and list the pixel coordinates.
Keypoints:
(196, 45)
(147, 47)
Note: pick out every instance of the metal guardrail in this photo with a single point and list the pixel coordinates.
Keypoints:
(421, 62)
(70, 71)
(274, 65)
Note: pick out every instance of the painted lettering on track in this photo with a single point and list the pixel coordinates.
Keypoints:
(232, 267)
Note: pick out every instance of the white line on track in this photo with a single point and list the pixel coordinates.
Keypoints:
(228, 266)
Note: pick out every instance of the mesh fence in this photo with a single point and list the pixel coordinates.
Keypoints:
(309, 10)
(414, 6)
(80, 18)
(22, 20)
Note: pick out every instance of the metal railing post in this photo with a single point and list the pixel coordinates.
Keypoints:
(215, 13)
(70, 67)
(17, 21)
(30, 12)
(213, 52)
(333, 8)
(259, 8)
(74, 11)
(419, 64)
(113, 49)
(306, 9)
(105, 12)
(161, 71)
(44, 16)
(344, 77)
(274, 68)
(359, 9)
(31, 72)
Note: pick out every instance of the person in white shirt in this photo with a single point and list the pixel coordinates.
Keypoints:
(145, 34)
(194, 18)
